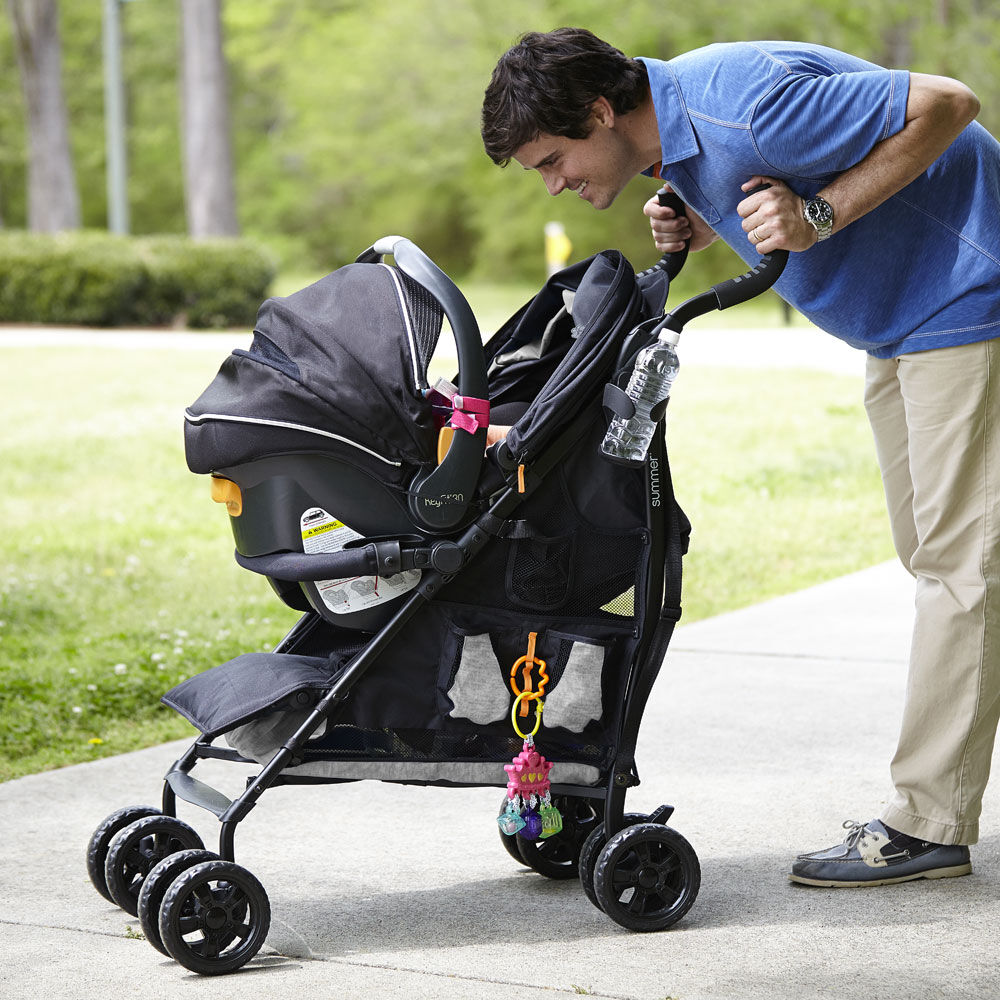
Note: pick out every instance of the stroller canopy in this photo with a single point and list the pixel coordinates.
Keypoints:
(340, 364)
(559, 349)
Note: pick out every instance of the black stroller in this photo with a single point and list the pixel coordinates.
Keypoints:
(444, 586)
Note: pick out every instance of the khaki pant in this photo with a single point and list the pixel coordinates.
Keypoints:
(936, 419)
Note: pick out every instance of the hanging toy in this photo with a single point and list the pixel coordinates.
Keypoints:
(529, 809)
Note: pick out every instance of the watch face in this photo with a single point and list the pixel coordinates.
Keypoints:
(818, 211)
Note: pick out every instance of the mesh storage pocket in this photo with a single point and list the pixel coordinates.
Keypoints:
(539, 570)
(577, 699)
(478, 692)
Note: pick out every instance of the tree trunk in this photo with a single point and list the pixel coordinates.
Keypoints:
(53, 200)
(209, 191)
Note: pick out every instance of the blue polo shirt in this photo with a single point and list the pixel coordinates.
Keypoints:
(921, 271)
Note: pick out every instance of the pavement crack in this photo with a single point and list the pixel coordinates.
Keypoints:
(77, 930)
(517, 984)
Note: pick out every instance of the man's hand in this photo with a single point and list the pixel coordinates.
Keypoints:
(671, 230)
(772, 219)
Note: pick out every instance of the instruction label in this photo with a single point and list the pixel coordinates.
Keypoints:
(322, 532)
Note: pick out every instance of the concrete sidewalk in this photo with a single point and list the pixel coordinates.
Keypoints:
(768, 727)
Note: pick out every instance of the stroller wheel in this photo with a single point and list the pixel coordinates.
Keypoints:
(154, 888)
(100, 841)
(214, 917)
(647, 877)
(558, 856)
(592, 847)
(136, 850)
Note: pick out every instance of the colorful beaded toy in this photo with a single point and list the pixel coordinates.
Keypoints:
(529, 809)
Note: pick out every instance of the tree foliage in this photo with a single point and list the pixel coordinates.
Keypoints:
(352, 120)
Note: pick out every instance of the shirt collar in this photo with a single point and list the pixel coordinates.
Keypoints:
(677, 138)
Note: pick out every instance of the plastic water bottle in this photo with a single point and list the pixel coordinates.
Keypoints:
(655, 369)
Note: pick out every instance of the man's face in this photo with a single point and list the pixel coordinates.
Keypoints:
(597, 168)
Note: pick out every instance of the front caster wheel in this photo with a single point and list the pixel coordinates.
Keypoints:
(137, 849)
(558, 856)
(647, 877)
(100, 841)
(155, 887)
(214, 918)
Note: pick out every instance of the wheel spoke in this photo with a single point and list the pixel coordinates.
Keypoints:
(556, 850)
(189, 924)
(210, 947)
(669, 865)
(203, 894)
(669, 895)
(134, 860)
(622, 879)
(242, 931)
(642, 851)
(637, 904)
(229, 894)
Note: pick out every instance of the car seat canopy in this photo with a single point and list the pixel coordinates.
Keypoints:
(339, 364)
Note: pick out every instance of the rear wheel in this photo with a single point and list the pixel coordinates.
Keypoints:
(558, 856)
(647, 877)
(592, 847)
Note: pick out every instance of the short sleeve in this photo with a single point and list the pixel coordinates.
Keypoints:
(812, 126)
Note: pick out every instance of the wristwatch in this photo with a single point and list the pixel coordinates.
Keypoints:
(819, 214)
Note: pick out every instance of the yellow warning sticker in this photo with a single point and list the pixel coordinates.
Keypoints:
(320, 529)
(322, 532)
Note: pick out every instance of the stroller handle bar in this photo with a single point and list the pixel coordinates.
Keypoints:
(670, 262)
(412, 261)
(731, 292)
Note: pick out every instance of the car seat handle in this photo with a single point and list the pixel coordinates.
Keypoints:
(440, 498)
(412, 261)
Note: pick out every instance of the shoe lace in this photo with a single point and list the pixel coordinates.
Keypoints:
(854, 831)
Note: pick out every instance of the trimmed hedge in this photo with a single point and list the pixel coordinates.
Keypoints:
(97, 279)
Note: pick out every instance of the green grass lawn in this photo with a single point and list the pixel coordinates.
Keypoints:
(118, 578)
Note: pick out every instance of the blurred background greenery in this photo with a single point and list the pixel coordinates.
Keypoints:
(353, 119)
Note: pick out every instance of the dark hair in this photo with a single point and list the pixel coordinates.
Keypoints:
(549, 82)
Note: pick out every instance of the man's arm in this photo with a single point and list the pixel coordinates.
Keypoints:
(937, 109)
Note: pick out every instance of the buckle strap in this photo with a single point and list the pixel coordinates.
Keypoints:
(618, 401)
(467, 413)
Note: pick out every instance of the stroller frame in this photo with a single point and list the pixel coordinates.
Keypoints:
(178, 885)
(666, 545)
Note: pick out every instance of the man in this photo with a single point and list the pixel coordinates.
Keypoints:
(889, 195)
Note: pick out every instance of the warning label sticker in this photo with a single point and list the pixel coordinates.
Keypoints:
(322, 532)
